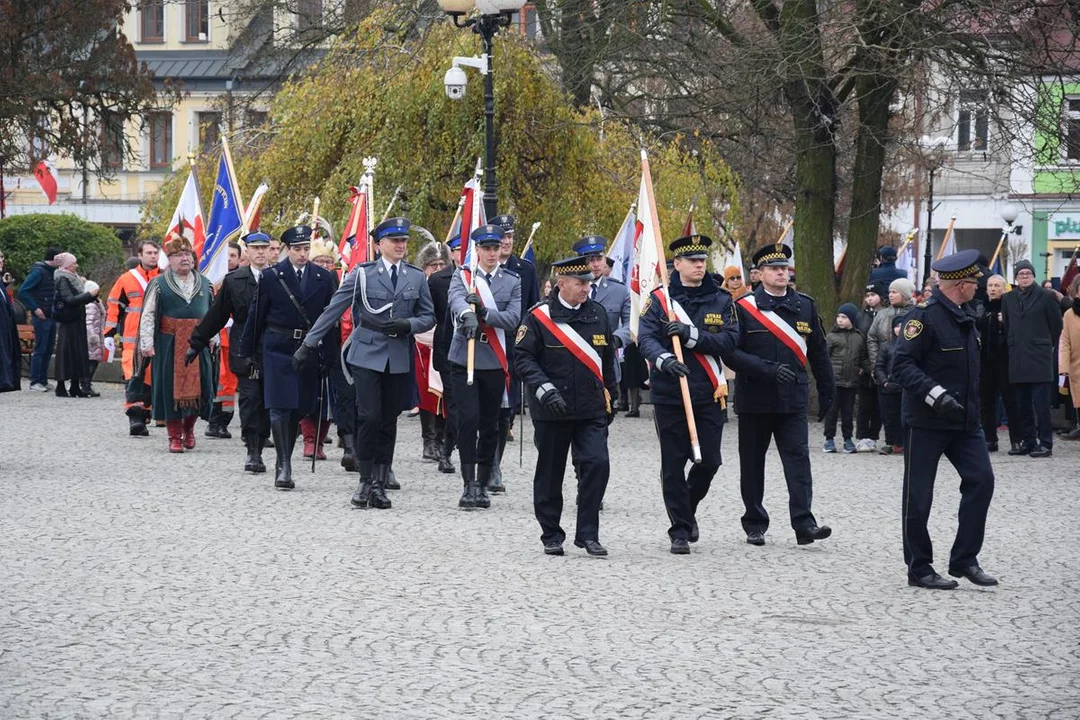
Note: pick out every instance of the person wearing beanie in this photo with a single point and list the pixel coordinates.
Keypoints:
(850, 363)
(36, 294)
(901, 299)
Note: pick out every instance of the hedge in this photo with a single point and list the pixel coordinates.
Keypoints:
(25, 238)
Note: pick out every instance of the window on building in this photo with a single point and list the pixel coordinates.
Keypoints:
(1071, 130)
(525, 21)
(197, 20)
(152, 21)
(256, 118)
(160, 126)
(309, 16)
(209, 130)
(973, 121)
(112, 141)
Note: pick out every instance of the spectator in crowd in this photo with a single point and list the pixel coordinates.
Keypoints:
(432, 258)
(890, 393)
(1032, 327)
(10, 352)
(994, 367)
(847, 350)
(95, 335)
(900, 294)
(733, 282)
(871, 304)
(36, 294)
(886, 270)
(1069, 353)
(755, 278)
(69, 312)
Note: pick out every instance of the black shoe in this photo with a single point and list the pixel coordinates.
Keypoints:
(495, 484)
(1041, 452)
(634, 413)
(391, 482)
(593, 547)
(363, 491)
(1019, 449)
(377, 498)
(812, 533)
(991, 447)
(469, 489)
(975, 574)
(553, 547)
(695, 534)
(445, 466)
(137, 428)
(89, 391)
(254, 462)
(933, 581)
(348, 458)
(756, 537)
(61, 391)
(216, 431)
(679, 546)
(1073, 434)
(483, 477)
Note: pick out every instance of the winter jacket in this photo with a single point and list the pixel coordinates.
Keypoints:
(1069, 350)
(994, 349)
(39, 288)
(881, 331)
(847, 351)
(1032, 329)
(886, 272)
(95, 330)
(883, 377)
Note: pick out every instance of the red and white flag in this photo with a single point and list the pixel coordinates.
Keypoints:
(472, 214)
(253, 215)
(353, 247)
(47, 180)
(644, 276)
(187, 220)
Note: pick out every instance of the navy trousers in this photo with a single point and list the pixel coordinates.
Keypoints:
(683, 491)
(553, 441)
(756, 431)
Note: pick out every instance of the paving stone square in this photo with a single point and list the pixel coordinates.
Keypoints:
(136, 583)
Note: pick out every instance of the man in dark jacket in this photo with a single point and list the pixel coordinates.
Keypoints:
(37, 294)
(994, 377)
(566, 359)
(1032, 321)
(886, 271)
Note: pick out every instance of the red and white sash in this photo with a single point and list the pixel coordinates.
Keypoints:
(777, 326)
(714, 368)
(496, 336)
(577, 345)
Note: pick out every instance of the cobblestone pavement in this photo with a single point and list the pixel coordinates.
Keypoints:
(135, 583)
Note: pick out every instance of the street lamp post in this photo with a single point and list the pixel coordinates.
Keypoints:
(931, 144)
(491, 16)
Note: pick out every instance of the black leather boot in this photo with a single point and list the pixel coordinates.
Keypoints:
(377, 498)
(254, 462)
(137, 423)
(363, 490)
(348, 459)
(483, 478)
(390, 482)
(468, 494)
(427, 433)
(445, 449)
(283, 447)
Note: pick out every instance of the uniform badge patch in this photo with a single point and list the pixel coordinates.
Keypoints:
(521, 333)
(714, 319)
(802, 327)
(599, 341)
(645, 305)
(912, 328)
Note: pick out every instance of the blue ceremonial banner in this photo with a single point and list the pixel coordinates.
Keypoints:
(529, 255)
(225, 224)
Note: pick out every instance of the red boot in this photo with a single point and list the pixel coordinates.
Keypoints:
(307, 429)
(324, 429)
(189, 432)
(175, 428)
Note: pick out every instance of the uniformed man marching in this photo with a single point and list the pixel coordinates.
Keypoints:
(232, 302)
(390, 303)
(707, 328)
(566, 359)
(780, 333)
(290, 295)
(937, 364)
(612, 295)
(485, 306)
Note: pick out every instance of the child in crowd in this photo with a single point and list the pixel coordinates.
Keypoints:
(850, 361)
(890, 393)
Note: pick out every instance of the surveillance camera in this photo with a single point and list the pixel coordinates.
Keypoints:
(455, 81)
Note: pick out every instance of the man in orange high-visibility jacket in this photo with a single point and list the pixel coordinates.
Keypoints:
(126, 298)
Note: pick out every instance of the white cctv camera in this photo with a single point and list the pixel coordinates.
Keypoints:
(455, 81)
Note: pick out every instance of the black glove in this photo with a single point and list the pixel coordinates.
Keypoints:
(824, 403)
(553, 402)
(892, 387)
(469, 325)
(241, 367)
(190, 355)
(673, 367)
(400, 326)
(947, 407)
(473, 299)
(675, 327)
(785, 375)
(300, 357)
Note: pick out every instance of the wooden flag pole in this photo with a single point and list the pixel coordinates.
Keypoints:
(945, 240)
(787, 229)
(393, 201)
(466, 233)
(315, 219)
(676, 344)
(997, 250)
(457, 216)
(528, 243)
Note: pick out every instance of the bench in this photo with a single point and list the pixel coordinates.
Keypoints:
(26, 343)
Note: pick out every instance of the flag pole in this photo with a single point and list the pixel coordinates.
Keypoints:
(393, 201)
(945, 240)
(457, 216)
(470, 355)
(787, 229)
(676, 344)
(195, 179)
(997, 250)
(528, 243)
(315, 219)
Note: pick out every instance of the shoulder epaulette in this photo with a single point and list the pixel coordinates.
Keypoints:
(805, 296)
(514, 273)
(542, 302)
(926, 303)
(414, 267)
(617, 282)
(369, 263)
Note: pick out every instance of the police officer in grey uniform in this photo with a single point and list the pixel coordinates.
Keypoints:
(611, 294)
(390, 303)
(484, 300)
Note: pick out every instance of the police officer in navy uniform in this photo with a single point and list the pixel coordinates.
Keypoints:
(390, 303)
(233, 299)
(711, 331)
(439, 285)
(937, 364)
(775, 322)
(530, 295)
(290, 295)
(477, 407)
(569, 402)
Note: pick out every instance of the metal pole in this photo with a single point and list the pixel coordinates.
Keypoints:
(927, 255)
(3, 192)
(489, 25)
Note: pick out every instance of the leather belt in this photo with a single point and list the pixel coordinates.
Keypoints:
(294, 333)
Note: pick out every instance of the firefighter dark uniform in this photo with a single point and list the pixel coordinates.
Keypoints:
(779, 335)
(937, 363)
(280, 315)
(566, 360)
(232, 301)
(706, 326)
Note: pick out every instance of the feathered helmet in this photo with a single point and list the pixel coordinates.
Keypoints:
(177, 244)
(324, 248)
(432, 252)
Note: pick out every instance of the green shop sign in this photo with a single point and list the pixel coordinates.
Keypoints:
(1066, 225)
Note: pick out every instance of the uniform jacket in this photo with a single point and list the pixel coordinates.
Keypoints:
(938, 351)
(233, 300)
(1032, 328)
(758, 354)
(713, 314)
(269, 315)
(542, 361)
(506, 289)
(439, 286)
(530, 287)
(369, 347)
(1069, 350)
(847, 352)
(615, 299)
(38, 289)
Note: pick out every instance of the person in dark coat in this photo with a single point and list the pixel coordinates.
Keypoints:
(36, 294)
(994, 378)
(439, 285)
(886, 271)
(10, 351)
(290, 296)
(1033, 324)
(69, 311)
(851, 368)
(890, 393)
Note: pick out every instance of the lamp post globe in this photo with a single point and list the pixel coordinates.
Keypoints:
(1009, 213)
(498, 7)
(457, 7)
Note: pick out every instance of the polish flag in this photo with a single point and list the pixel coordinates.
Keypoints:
(47, 180)
(187, 220)
(645, 274)
(353, 247)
